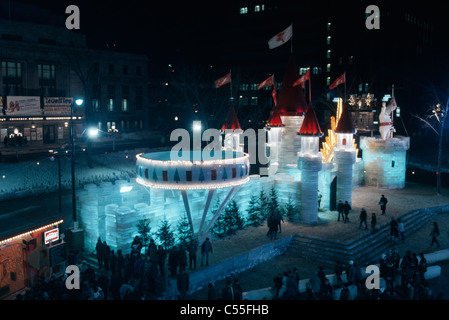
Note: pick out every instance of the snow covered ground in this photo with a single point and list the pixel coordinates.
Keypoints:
(41, 176)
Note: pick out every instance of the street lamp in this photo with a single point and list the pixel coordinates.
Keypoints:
(113, 130)
(17, 139)
(78, 102)
(57, 154)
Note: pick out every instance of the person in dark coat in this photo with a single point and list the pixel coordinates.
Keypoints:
(273, 224)
(227, 293)
(113, 262)
(434, 234)
(182, 258)
(277, 285)
(383, 204)
(338, 269)
(161, 256)
(346, 209)
(120, 265)
(100, 256)
(211, 291)
(238, 292)
(192, 249)
(206, 249)
(173, 261)
(183, 284)
(422, 268)
(340, 209)
(106, 255)
(394, 231)
(363, 218)
(373, 222)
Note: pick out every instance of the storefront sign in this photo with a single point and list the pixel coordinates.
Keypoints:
(23, 106)
(57, 106)
(51, 235)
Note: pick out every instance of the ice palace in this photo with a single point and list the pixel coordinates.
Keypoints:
(299, 170)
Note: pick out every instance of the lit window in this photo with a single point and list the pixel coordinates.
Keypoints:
(254, 86)
(244, 87)
(328, 81)
(328, 67)
(125, 104)
(110, 105)
(95, 105)
(328, 39)
(328, 54)
(46, 71)
(328, 26)
(257, 8)
(303, 70)
(254, 101)
(244, 10)
(344, 141)
(316, 70)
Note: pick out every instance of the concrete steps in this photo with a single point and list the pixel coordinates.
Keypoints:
(366, 249)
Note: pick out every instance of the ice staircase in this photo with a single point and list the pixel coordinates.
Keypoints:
(366, 249)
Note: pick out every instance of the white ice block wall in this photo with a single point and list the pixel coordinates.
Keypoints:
(310, 167)
(344, 159)
(385, 161)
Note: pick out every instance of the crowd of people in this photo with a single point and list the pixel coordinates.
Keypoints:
(403, 280)
(142, 274)
(145, 271)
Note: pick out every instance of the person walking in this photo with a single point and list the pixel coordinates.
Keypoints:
(434, 234)
(279, 219)
(192, 249)
(100, 256)
(338, 270)
(363, 217)
(383, 204)
(373, 222)
(394, 233)
(227, 293)
(401, 229)
(206, 249)
(106, 255)
(422, 268)
(346, 209)
(340, 209)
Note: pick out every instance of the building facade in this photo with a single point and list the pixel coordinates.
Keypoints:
(43, 71)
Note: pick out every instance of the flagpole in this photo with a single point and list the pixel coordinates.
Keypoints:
(230, 100)
(345, 86)
(310, 87)
(291, 41)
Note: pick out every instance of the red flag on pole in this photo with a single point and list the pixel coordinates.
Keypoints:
(223, 80)
(281, 38)
(267, 82)
(305, 77)
(341, 79)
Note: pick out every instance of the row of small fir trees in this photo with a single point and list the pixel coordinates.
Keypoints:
(260, 207)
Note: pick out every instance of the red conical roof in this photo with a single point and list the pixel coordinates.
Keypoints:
(291, 100)
(275, 119)
(232, 121)
(345, 124)
(310, 125)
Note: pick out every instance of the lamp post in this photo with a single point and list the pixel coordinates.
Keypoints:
(78, 102)
(16, 137)
(57, 154)
(113, 130)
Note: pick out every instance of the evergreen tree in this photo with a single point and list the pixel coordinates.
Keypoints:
(143, 229)
(184, 231)
(176, 178)
(273, 203)
(290, 210)
(165, 235)
(263, 205)
(219, 227)
(229, 222)
(253, 213)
